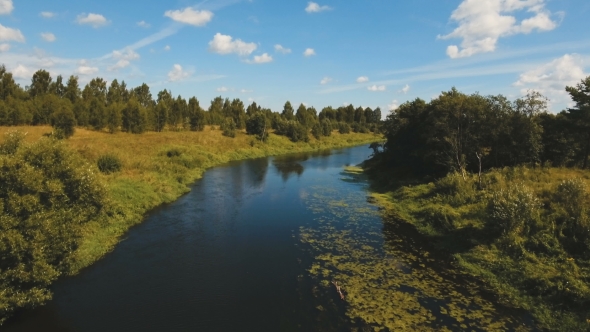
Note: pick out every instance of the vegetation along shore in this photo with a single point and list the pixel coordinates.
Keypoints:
(79, 167)
(502, 188)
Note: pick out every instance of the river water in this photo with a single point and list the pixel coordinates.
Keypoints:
(255, 246)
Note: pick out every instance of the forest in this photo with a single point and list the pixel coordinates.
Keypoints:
(134, 110)
(502, 187)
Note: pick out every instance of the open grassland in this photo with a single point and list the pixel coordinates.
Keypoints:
(158, 167)
(523, 231)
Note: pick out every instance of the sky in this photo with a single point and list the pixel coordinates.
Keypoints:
(370, 53)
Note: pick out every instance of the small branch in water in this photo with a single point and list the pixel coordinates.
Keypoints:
(339, 290)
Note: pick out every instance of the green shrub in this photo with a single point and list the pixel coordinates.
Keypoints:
(316, 131)
(570, 203)
(64, 122)
(514, 210)
(326, 127)
(173, 153)
(228, 126)
(343, 128)
(109, 163)
(47, 194)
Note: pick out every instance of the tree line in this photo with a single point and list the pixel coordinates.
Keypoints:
(464, 133)
(115, 107)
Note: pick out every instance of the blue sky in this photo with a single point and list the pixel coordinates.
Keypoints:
(374, 53)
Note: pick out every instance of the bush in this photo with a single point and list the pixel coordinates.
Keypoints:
(514, 210)
(294, 130)
(64, 122)
(228, 126)
(343, 128)
(109, 163)
(256, 125)
(326, 127)
(316, 130)
(570, 203)
(173, 153)
(47, 194)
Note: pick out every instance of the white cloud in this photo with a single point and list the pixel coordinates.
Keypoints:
(362, 79)
(313, 7)
(483, 22)
(325, 80)
(86, 70)
(22, 72)
(264, 58)
(123, 58)
(167, 48)
(279, 48)
(224, 44)
(309, 52)
(190, 16)
(377, 88)
(48, 37)
(10, 34)
(393, 106)
(143, 24)
(405, 89)
(95, 20)
(4, 48)
(6, 7)
(47, 14)
(177, 73)
(551, 78)
(222, 89)
(246, 91)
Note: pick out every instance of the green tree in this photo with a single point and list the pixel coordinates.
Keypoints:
(134, 117)
(97, 89)
(63, 120)
(40, 83)
(256, 125)
(288, 112)
(72, 90)
(580, 115)
(114, 117)
(97, 114)
(196, 115)
(228, 127)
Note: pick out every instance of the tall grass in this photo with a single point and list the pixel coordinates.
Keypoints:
(525, 232)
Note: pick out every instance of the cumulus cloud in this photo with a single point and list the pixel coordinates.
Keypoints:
(393, 106)
(95, 20)
(551, 78)
(167, 48)
(224, 44)
(264, 58)
(48, 37)
(483, 22)
(10, 34)
(4, 48)
(246, 91)
(377, 88)
(405, 89)
(86, 70)
(313, 7)
(222, 89)
(325, 80)
(47, 14)
(123, 58)
(362, 79)
(279, 48)
(190, 16)
(309, 52)
(22, 72)
(177, 73)
(143, 24)
(6, 7)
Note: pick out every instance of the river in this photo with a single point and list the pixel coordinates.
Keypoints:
(255, 246)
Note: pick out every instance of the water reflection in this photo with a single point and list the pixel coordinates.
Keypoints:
(292, 164)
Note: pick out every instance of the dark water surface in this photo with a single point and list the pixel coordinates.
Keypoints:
(225, 257)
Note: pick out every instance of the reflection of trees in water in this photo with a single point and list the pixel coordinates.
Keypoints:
(291, 164)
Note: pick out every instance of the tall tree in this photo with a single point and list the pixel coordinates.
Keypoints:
(196, 115)
(72, 89)
(288, 112)
(40, 83)
(580, 115)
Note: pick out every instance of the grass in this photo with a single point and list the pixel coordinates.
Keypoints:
(158, 167)
(534, 265)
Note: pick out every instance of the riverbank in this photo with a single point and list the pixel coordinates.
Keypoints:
(521, 231)
(159, 167)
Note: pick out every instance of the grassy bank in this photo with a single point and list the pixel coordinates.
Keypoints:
(522, 231)
(158, 167)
